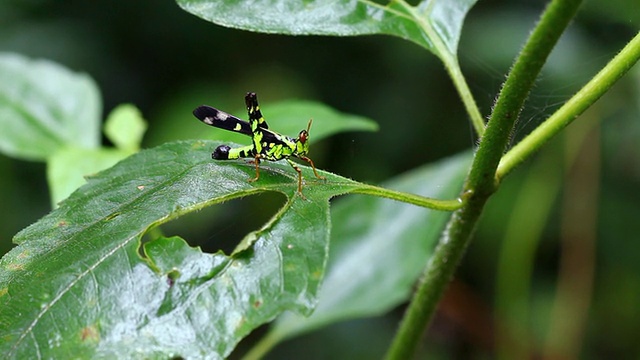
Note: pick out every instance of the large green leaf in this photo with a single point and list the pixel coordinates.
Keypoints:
(433, 24)
(76, 285)
(378, 248)
(44, 107)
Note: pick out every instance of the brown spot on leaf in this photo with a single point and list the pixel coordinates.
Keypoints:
(90, 333)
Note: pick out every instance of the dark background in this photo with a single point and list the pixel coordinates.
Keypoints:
(166, 62)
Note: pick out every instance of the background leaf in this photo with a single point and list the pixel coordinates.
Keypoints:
(44, 107)
(379, 247)
(85, 256)
(428, 24)
(67, 168)
(125, 127)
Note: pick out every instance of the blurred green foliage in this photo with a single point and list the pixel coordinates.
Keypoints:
(166, 62)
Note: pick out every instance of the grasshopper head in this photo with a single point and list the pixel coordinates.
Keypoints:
(302, 143)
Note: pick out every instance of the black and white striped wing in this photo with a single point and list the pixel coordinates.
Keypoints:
(220, 119)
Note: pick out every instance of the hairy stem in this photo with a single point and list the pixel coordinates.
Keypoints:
(584, 98)
(480, 182)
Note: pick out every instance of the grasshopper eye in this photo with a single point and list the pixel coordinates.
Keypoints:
(303, 136)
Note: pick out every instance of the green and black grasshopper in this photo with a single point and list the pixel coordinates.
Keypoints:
(266, 144)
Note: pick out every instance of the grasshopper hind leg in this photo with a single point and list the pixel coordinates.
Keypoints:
(225, 152)
(255, 161)
(221, 153)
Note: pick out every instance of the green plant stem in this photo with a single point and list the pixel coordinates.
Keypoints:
(480, 182)
(584, 98)
(459, 81)
(435, 204)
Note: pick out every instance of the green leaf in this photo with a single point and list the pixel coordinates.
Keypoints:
(45, 107)
(290, 116)
(435, 24)
(378, 248)
(125, 127)
(76, 283)
(67, 168)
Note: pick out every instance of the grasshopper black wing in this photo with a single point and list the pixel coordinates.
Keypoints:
(220, 119)
(271, 137)
(253, 109)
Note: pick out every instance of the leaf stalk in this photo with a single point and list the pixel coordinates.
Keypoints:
(451, 64)
(435, 204)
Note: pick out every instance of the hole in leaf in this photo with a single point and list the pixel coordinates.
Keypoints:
(223, 226)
